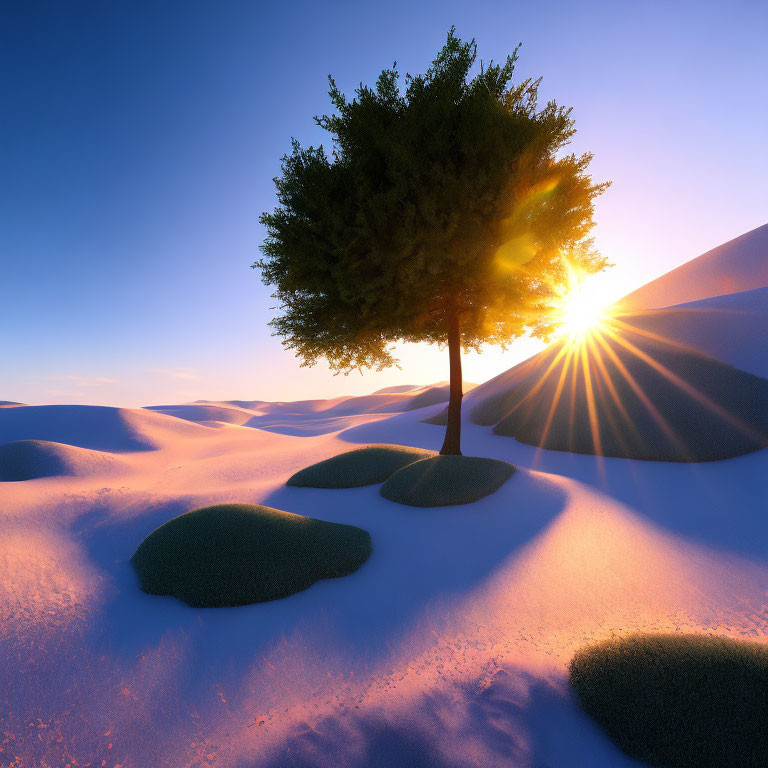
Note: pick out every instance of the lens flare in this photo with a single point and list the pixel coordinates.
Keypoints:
(581, 309)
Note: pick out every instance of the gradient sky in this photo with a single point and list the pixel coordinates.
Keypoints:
(138, 141)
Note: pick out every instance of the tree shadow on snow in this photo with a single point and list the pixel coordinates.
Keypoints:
(515, 718)
(421, 557)
(422, 561)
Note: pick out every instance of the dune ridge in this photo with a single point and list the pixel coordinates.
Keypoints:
(316, 416)
(32, 459)
(101, 428)
(731, 328)
(739, 265)
(627, 393)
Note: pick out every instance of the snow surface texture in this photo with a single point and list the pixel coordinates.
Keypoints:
(738, 265)
(313, 417)
(30, 459)
(93, 426)
(449, 647)
(732, 328)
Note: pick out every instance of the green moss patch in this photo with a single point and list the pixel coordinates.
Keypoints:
(679, 700)
(236, 554)
(442, 481)
(363, 466)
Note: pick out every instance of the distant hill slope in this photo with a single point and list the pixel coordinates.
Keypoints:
(94, 426)
(740, 264)
(731, 328)
(204, 412)
(627, 394)
(397, 389)
(31, 459)
(259, 413)
(674, 376)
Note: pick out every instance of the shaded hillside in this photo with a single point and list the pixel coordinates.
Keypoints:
(262, 414)
(731, 328)
(31, 459)
(93, 426)
(626, 392)
(203, 412)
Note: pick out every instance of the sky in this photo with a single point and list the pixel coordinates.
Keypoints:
(139, 140)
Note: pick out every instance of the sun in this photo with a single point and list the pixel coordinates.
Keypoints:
(581, 309)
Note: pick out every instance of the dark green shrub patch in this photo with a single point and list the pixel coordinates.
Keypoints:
(363, 466)
(442, 481)
(235, 554)
(679, 701)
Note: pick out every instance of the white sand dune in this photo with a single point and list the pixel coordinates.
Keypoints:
(731, 328)
(735, 334)
(291, 424)
(31, 459)
(645, 385)
(398, 389)
(447, 648)
(311, 417)
(739, 265)
(94, 426)
(204, 413)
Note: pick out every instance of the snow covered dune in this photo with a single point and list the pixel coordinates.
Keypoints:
(93, 426)
(31, 459)
(738, 265)
(731, 328)
(624, 392)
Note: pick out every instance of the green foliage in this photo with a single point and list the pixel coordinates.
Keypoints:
(443, 481)
(679, 701)
(363, 466)
(450, 195)
(236, 554)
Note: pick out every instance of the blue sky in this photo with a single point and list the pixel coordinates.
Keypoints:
(138, 141)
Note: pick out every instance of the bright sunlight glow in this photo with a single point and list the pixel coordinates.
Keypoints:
(581, 308)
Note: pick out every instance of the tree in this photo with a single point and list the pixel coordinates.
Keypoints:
(445, 213)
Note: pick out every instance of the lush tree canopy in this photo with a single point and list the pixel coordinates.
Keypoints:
(453, 190)
(448, 204)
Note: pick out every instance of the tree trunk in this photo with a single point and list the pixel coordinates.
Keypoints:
(452, 442)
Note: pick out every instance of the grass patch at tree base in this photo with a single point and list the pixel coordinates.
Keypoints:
(442, 481)
(363, 466)
(679, 701)
(236, 554)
